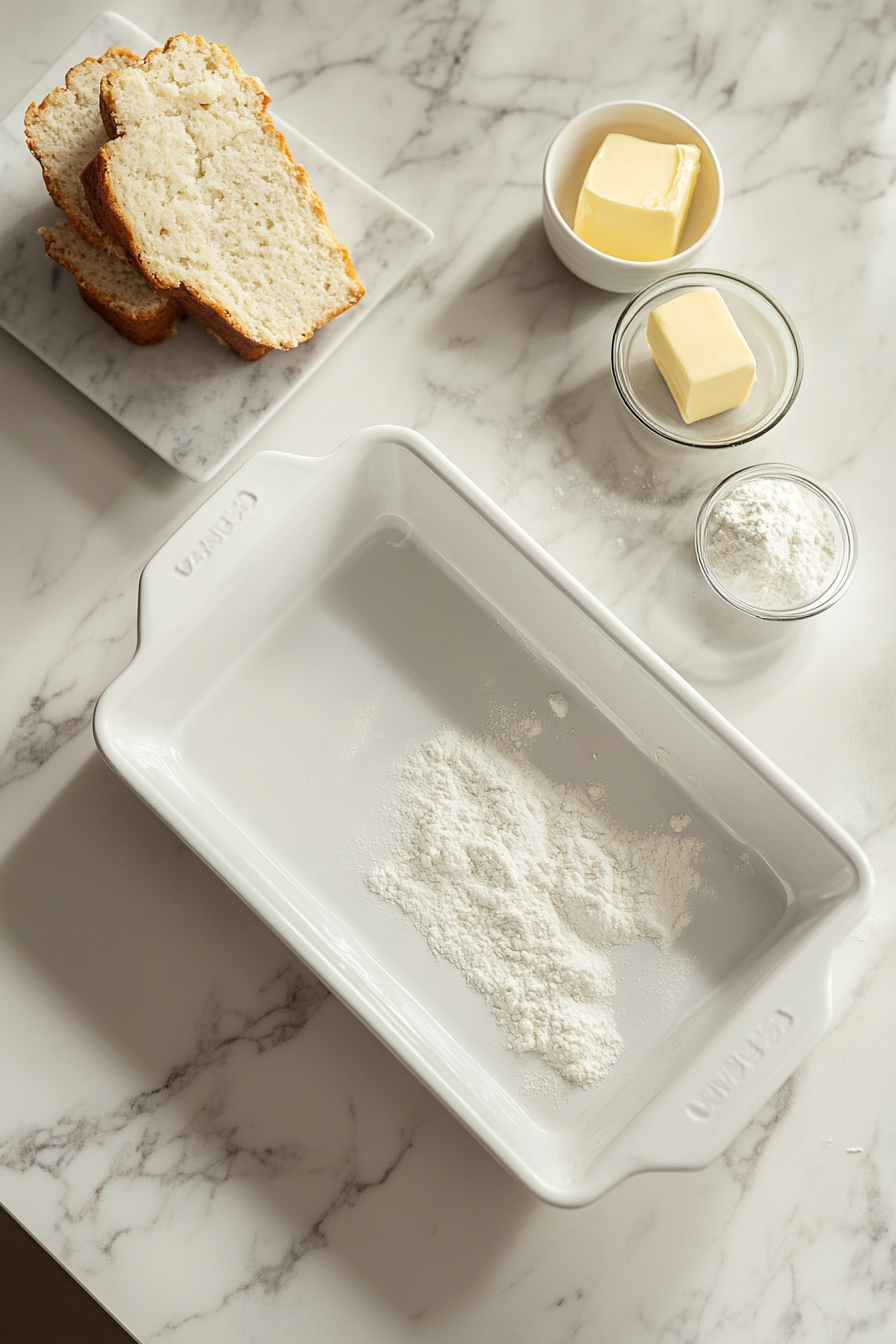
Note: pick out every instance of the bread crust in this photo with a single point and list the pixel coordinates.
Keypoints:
(36, 119)
(147, 325)
(99, 187)
(139, 331)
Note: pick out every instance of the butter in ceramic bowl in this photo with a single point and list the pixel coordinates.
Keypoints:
(635, 197)
(700, 351)
(567, 165)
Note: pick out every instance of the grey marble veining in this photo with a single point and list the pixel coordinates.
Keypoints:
(216, 1149)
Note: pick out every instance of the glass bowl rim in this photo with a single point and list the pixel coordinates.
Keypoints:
(639, 301)
(781, 471)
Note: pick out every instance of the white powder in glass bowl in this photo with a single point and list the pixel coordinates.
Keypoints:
(772, 543)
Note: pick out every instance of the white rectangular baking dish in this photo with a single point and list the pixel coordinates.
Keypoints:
(318, 617)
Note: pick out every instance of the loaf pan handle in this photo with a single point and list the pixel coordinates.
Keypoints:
(720, 1092)
(198, 560)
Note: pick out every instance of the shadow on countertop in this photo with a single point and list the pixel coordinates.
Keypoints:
(251, 1074)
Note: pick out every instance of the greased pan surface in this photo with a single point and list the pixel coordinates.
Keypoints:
(318, 618)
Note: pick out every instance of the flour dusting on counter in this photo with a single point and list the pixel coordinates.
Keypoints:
(526, 885)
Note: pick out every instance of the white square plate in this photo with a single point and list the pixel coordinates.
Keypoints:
(188, 399)
(317, 619)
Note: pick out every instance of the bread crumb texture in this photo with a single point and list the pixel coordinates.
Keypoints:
(66, 130)
(202, 191)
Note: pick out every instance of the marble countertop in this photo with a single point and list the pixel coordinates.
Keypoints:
(211, 1144)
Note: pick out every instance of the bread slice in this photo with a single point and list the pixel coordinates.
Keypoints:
(112, 287)
(200, 190)
(65, 132)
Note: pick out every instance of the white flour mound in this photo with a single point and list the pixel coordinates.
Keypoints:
(772, 543)
(524, 885)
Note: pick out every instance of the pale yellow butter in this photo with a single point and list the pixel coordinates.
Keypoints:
(699, 350)
(635, 197)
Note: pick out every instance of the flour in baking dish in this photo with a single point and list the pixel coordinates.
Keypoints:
(525, 885)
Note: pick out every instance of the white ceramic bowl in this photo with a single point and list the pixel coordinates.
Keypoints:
(565, 167)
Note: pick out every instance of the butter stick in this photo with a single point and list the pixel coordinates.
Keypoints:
(698, 348)
(635, 198)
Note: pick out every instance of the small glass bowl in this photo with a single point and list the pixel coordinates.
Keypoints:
(765, 327)
(842, 572)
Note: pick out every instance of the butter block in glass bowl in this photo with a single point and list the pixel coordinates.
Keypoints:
(767, 331)
(699, 349)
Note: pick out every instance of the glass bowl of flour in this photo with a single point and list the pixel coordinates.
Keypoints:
(776, 543)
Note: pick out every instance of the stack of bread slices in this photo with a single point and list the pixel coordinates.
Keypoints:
(180, 196)
(63, 134)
